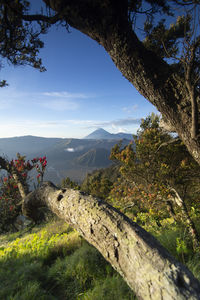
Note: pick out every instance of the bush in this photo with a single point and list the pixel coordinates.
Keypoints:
(15, 185)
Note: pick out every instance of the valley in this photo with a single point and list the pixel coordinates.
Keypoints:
(66, 157)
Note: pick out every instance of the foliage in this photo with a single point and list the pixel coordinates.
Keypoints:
(100, 182)
(9, 199)
(20, 44)
(10, 194)
(157, 166)
(70, 184)
(24, 43)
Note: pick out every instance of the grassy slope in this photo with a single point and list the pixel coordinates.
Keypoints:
(54, 262)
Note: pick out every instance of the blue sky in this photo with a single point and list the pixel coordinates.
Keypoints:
(81, 91)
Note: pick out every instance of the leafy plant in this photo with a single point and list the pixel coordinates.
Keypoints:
(15, 186)
(159, 175)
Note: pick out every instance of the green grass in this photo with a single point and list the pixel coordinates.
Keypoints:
(54, 262)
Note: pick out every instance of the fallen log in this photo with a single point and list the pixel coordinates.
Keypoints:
(150, 271)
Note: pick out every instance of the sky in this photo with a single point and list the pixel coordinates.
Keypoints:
(82, 90)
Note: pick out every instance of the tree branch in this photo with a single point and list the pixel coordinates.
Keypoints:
(191, 226)
(38, 17)
(168, 143)
(35, 17)
(189, 65)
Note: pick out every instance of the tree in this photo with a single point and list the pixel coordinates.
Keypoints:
(161, 171)
(68, 183)
(160, 59)
(100, 182)
(148, 269)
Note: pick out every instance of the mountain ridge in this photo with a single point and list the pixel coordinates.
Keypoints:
(66, 157)
(101, 133)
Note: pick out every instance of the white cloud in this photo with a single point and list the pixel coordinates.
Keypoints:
(118, 122)
(119, 129)
(60, 105)
(69, 149)
(130, 109)
(64, 95)
(11, 97)
(96, 124)
(127, 125)
(61, 101)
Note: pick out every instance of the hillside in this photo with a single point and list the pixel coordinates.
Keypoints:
(52, 262)
(25, 145)
(72, 158)
(98, 158)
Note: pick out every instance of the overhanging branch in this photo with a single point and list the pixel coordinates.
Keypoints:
(35, 17)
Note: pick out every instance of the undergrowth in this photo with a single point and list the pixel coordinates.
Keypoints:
(54, 262)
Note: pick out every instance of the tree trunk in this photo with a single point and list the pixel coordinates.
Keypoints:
(191, 226)
(145, 265)
(20, 186)
(106, 21)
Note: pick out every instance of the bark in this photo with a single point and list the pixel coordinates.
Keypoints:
(171, 209)
(106, 21)
(191, 226)
(194, 105)
(146, 266)
(20, 186)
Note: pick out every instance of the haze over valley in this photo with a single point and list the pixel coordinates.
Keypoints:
(72, 158)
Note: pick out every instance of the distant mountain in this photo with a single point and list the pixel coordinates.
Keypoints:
(72, 158)
(101, 134)
(25, 144)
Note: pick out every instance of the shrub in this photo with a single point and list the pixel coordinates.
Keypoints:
(15, 185)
